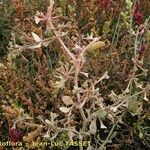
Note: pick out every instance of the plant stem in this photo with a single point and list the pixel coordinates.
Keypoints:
(110, 133)
(77, 71)
(77, 64)
(61, 42)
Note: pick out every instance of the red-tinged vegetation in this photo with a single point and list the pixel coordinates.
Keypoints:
(104, 4)
(15, 135)
(138, 15)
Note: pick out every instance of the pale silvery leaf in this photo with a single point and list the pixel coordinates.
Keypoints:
(41, 119)
(138, 85)
(99, 114)
(36, 37)
(37, 19)
(11, 56)
(35, 46)
(46, 43)
(71, 135)
(104, 76)
(102, 125)
(51, 2)
(88, 111)
(113, 95)
(67, 100)
(85, 74)
(76, 90)
(47, 121)
(54, 136)
(127, 90)
(145, 97)
(53, 116)
(113, 135)
(85, 84)
(114, 109)
(60, 84)
(2, 66)
(47, 135)
(93, 127)
(64, 109)
(77, 48)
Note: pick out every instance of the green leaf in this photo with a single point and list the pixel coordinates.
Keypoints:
(100, 114)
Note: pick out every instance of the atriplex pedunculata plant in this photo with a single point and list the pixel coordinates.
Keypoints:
(73, 68)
